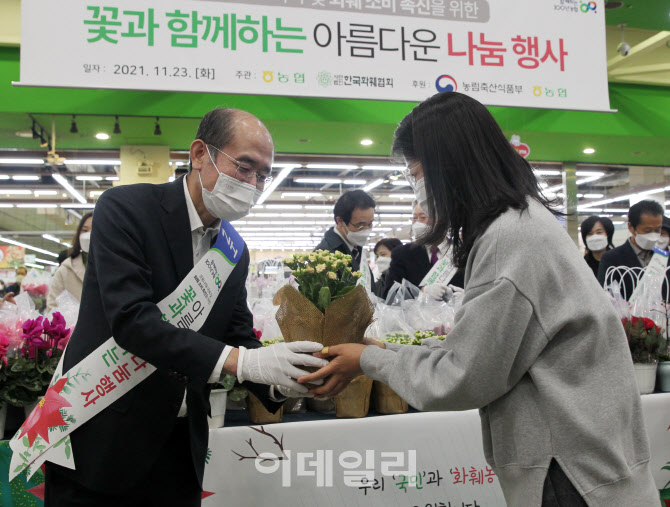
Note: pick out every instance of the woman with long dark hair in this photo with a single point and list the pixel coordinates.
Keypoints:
(70, 274)
(536, 346)
(597, 233)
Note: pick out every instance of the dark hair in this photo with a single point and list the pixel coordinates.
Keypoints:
(666, 224)
(589, 223)
(473, 174)
(646, 207)
(216, 128)
(349, 201)
(389, 243)
(76, 246)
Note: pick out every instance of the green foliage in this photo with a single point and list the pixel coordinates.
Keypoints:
(406, 339)
(24, 380)
(646, 340)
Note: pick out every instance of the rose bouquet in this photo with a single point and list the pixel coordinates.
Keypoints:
(28, 363)
(645, 339)
(328, 307)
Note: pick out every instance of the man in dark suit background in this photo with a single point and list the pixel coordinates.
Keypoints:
(354, 214)
(412, 261)
(149, 447)
(645, 220)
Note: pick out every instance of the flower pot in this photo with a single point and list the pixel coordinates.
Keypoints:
(217, 403)
(663, 376)
(387, 401)
(354, 401)
(3, 418)
(258, 414)
(646, 377)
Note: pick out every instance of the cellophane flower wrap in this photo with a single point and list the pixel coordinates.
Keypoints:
(328, 307)
(36, 284)
(30, 347)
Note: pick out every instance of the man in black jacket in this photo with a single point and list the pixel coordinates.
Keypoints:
(412, 262)
(354, 215)
(149, 446)
(645, 220)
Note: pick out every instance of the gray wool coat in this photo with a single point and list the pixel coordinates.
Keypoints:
(538, 348)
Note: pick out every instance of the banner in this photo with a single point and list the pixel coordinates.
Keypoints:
(525, 53)
(110, 371)
(12, 257)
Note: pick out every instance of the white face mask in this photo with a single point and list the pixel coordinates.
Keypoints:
(231, 199)
(383, 263)
(662, 242)
(596, 242)
(419, 229)
(647, 241)
(85, 241)
(420, 194)
(358, 238)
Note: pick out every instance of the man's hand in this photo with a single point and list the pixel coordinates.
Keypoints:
(8, 298)
(276, 364)
(435, 290)
(342, 369)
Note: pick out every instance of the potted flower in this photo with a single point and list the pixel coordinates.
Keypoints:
(663, 370)
(329, 308)
(645, 340)
(258, 414)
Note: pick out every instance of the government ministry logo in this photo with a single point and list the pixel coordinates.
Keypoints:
(446, 83)
(588, 6)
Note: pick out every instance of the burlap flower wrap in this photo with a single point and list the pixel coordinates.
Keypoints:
(344, 321)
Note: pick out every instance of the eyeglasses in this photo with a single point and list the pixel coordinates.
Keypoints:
(407, 173)
(365, 226)
(244, 172)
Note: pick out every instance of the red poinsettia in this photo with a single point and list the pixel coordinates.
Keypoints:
(47, 413)
(647, 323)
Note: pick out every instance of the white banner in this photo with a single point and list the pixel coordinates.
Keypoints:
(431, 459)
(525, 53)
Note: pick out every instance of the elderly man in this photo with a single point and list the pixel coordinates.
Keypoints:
(149, 446)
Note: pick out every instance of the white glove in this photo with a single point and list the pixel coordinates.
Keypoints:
(435, 290)
(458, 292)
(287, 392)
(275, 364)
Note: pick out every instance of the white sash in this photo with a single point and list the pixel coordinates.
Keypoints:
(110, 372)
(442, 272)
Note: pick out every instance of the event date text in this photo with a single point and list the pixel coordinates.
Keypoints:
(173, 72)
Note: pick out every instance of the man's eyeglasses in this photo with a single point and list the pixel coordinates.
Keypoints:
(245, 173)
(360, 227)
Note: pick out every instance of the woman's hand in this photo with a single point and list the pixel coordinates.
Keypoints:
(372, 341)
(344, 366)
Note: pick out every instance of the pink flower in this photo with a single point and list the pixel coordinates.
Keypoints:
(4, 344)
(56, 328)
(33, 327)
(258, 333)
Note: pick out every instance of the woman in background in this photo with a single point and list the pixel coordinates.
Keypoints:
(597, 233)
(70, 274)
(382, 251)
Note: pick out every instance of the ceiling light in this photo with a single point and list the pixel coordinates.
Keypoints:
(283, 206)
(593, 196)
(102, 136)
(95, 193)
(318, 206)
(4, 177)
(283, 165)
(5, 205)
(30, 264)
(22, 161)
(14, 191)
(25, 177)
(374, 184)
(366, 142)
(276, 182)
(157, 129)
(74, 214)
(588, 151)
(342, 167)
(51, 238)
(355, 182)
(64, 183)
(78, 206)
(301, 194)
(402, 196)
(92, 161)
(89, 178)
(319, 181)
(117, 127)
(382, 168)
(394, 208)
(45, 192)
(546, 172)
(112, 178)
(36, 205)
(401, 183)
(27, 247)
(50, 263)
(73, 127)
